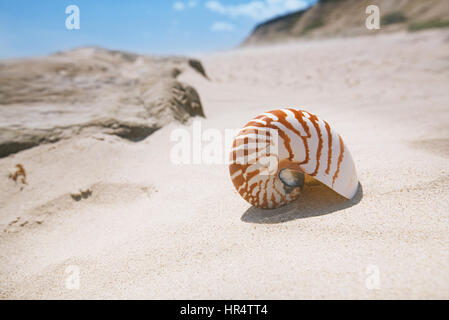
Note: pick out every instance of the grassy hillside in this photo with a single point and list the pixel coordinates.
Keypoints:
(330, 18)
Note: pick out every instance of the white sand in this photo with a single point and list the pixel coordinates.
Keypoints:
(152, 229)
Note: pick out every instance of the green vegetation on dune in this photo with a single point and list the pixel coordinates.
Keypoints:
(428, 25)
(314, 25)
(394, 17)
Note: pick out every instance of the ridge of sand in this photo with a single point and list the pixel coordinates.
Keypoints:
(92, 90)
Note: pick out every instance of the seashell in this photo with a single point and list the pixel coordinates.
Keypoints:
(278, 152)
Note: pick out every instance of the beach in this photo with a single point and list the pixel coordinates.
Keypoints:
(135, 225)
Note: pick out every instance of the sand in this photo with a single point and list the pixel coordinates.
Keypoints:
(91, 90)
(148, 228)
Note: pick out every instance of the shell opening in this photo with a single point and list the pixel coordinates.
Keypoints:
(292, 178)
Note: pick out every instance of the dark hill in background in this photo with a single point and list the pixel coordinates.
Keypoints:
(330, 18)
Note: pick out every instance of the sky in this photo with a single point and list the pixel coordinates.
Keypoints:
(38, 27)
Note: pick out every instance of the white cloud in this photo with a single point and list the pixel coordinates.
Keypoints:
(221, 26)
(192, 3)
(257, 9)
(179, 6)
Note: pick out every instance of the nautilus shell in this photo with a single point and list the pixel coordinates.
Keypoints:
(278, 152)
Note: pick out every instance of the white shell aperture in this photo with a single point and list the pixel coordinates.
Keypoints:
(275, 153)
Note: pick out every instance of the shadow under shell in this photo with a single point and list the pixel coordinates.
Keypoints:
(316, 199)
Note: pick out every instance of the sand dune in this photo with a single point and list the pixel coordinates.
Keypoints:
(93, 90)
(148, 228)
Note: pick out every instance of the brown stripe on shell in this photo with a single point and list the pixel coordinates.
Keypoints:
(329, 146)
(299, 116)
(258, 192)
(314, 120)
(265, 195)
(283, 135)
(279, 193)
(340, 159)
(283, 120)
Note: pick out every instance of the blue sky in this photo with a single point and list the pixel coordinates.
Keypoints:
(29, 28)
